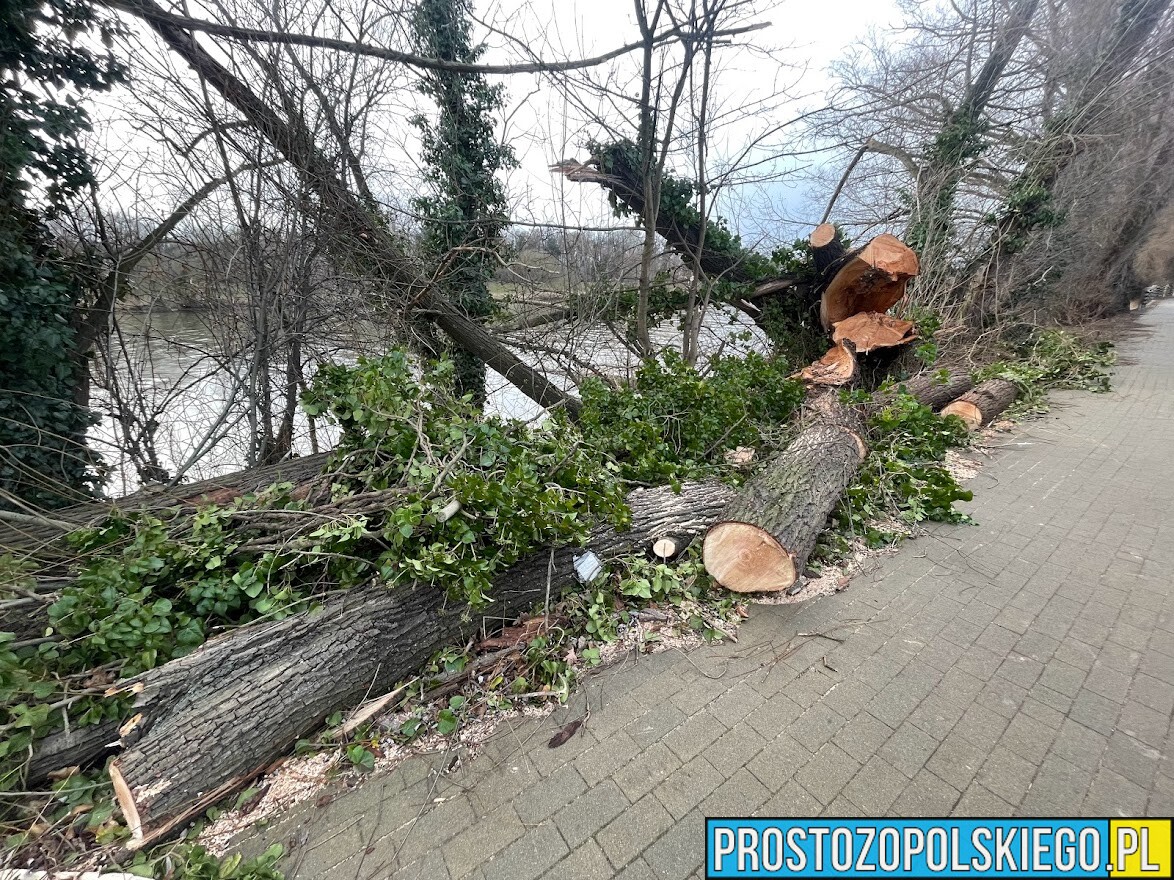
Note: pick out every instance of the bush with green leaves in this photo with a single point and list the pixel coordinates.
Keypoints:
(1051, 359)
(673, 423)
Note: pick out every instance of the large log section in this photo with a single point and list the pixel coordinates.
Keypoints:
(870, 280)
(980, 406)
(769, 529)
(935, 390)
(216, 718)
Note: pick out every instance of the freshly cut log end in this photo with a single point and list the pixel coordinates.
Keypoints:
(869, 331)
(872, 280)
(746, 559)
(983, 403)
(767, 532)
(837, 367)
(824, 234)
(827, 251)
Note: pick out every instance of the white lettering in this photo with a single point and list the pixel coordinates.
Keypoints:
(936, 845)
(890, 856)
(914, 845)
(1065, 849)
(1004, 859)
(1124, 850)
(1145, 851)
(723, 845)
(747, 849)
(842, 849)
(979, 839)
(1039, 848)
(1090, 850)
(863, 863)
(818, 834)
(772, 850)
(798, 862)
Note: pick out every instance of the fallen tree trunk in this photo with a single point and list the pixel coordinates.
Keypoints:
(768, 531)
(216, 718)
(935, 390)
(981, 405)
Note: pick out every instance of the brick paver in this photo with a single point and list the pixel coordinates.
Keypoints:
(1021, 666)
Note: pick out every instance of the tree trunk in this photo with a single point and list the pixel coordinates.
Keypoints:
(767, 532)
(935, 391)
(980, 406)
(216, 718)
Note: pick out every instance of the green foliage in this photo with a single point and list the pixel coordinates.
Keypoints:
(188, 861)
(1048, 359)
(465, 211)
(519, 487)
(674, 424)
(43, 459)
(960, 141)
(902, 481)
(677, 207)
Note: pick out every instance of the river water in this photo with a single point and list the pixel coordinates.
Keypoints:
(191, 383)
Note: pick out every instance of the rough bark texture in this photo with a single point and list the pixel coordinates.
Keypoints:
(769, 529)
(935, 391)
(216, 718)
(981, 405)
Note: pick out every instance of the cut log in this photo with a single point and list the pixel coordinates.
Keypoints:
(872, 280)
(980, 406)
(868, 331)
(935, 390)
(836, 368)
(826, 248)
(770, 528)
(216, 718)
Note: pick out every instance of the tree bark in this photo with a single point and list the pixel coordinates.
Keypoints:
(767, 532)
(981, 405)
(935, 391)
(216, 718)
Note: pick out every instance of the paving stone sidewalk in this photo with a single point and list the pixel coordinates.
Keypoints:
(1021, 666)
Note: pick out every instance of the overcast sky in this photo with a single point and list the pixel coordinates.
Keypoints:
(783, 74)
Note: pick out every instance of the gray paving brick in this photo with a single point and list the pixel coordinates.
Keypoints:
(680, 851)
(605, 758)
(589, 812)
(529, 856)
(875, 787)
(629, 834)
(688, 786)
(908, 749)
(827, 772)
(926, 795)
(541, 801)
(641, 776)
(778, 761)
(586, 861)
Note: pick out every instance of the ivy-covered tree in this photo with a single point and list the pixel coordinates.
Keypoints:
(43, 457)
(464, 210)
